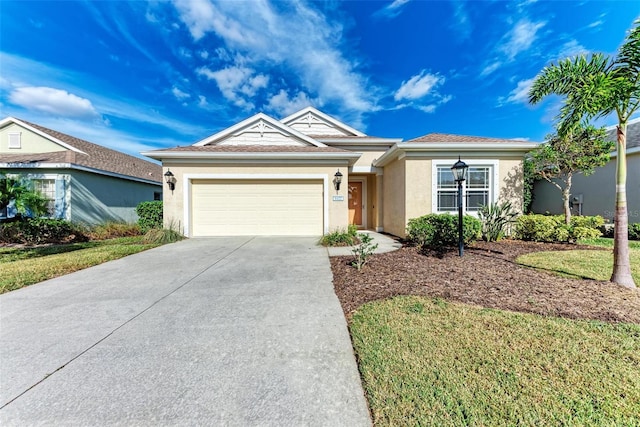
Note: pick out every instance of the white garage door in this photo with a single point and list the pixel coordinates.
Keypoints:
(256, 207)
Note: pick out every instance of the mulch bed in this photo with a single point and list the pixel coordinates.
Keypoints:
(486, 276)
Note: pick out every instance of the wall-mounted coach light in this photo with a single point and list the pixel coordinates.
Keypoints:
(170, 179)
(337, 180)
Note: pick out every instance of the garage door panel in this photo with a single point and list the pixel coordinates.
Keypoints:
(257, 207)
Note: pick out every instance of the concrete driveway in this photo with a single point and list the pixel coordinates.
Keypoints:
(220, 331)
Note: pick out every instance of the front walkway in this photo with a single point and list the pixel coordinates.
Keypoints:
(221, 331)
(384, 241)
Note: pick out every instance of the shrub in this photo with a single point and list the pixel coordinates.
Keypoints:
(149, 215)
(495, 219)
(363, 251)
(112, 230)
(538, 228)
(587, 221)
(634, 231)
(340, 237)
(440, 231)
(41, 230)
(552, 228)
(162, 236)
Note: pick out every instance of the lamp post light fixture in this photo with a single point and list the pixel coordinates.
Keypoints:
(459, 170)
(337, 180)
(170, 179)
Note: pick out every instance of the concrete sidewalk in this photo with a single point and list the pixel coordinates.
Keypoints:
(385, 244)
(221, 331)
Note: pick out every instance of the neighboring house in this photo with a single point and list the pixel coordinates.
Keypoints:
(595, 194)
(84, 182)
(264, 176)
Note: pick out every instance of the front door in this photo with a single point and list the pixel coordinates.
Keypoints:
(355, 203)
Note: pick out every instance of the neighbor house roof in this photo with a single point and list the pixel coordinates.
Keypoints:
(85, 154)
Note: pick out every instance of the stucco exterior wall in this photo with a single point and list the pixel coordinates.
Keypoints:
(174, 209)
(367, 158)
(597, 191)
(30, 141)
(511, 182)
(372, 203)
(99, 198)
(394, 196)
(419, 188)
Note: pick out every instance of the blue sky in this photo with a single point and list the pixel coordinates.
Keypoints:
(142, 75)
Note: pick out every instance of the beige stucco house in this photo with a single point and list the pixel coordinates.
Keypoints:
(84, 182)
(595, 194)
(264, 176)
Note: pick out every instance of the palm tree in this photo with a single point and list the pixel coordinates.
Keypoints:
(595, 87)
(25, 198)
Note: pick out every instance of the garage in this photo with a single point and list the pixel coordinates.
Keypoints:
(238, 207)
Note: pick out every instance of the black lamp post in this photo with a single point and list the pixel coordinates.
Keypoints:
(459, 170)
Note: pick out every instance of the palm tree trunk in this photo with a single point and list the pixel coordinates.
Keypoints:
(566, 196)
(621, 263)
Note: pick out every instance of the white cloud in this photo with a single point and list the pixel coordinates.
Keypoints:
(237, 84)
(421, 92)
(520, 37)
(294, 37)
(570, 49)
(21, 72)
(462, 27)
(282, 105)
(520, 94)
(428, 108)
(418, 86)
(52, 101)
(202, 101)
(391, 10)
(490, 68)
(180, 95)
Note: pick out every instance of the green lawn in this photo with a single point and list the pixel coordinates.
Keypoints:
(431, 362)
(585, 264)
(26, 266)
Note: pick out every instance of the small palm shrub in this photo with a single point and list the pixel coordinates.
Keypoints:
(634, 231)
(495, 219)
(440, 231)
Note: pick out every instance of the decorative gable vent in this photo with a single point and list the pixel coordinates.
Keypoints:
(15, 140)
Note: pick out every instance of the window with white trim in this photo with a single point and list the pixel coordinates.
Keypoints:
(14, 140)
(479, 189)
(47, 187)
(447, 190)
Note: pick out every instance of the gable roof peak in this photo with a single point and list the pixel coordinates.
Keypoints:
(308, 113)
(263, 122)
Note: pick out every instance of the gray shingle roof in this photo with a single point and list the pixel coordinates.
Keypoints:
(253, 149)
(445, 137)
(96, 157)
